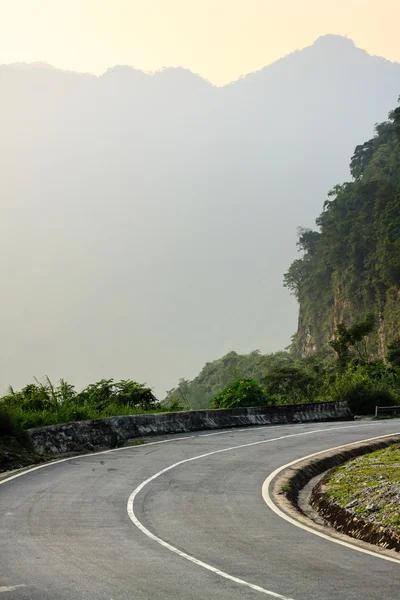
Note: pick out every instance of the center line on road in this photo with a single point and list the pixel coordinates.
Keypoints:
(234, 431)
(149, 534)
(10, 588)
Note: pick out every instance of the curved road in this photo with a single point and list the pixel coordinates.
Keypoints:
(65, 531)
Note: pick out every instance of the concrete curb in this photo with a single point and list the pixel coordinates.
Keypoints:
(344, 521)
(291, 482)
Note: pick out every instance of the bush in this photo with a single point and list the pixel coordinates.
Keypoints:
(42, 404)
(376, 398)
(243, 392)
(393, 353)
(289, 384)
(364, 387)
(8, 425)
(174, 405)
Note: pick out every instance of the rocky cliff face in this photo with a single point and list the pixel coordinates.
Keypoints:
(351, 266)
(210, 181)
(314, 332)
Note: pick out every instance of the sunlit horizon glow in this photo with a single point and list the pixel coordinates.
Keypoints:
(218, 39)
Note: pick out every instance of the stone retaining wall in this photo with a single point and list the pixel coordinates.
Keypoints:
(111, 432)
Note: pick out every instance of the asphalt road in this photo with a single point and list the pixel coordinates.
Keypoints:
(65, 531)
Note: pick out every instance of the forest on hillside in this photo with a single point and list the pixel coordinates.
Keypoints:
(347, 347)
(347, 283)
(350, 266)
(135, 203)
(219, 373)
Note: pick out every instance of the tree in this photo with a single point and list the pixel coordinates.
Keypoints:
(352, 265)
(241, 393)
(393, 353)
(289, 384)
(352, 337)
(131, 393)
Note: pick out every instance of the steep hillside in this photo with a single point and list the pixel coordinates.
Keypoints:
(147, 219)
(351, 266)
(287, 378)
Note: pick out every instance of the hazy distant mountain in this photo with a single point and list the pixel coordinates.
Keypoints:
(148, 219)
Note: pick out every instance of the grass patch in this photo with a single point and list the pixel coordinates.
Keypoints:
(369, 486)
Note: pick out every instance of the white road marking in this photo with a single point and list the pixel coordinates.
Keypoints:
(62, 460)
(257, 427)
(174, 439)
(192, 559)
(267, 498)
(137, 490)
(235, 430)
(11, 588)
(221, 432)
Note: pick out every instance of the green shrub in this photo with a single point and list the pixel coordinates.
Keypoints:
(364, 387)
(40, 404)
(289, 384)
(393, 353)
(243, 392)
(377, 398)
(174, 405)
(8, 425)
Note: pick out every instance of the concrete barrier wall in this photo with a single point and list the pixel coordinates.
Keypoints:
(114, 431)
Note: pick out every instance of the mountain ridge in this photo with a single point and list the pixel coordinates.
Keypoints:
(147, 225)
(326, 42)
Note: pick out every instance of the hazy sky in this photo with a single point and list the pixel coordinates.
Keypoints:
(219, 39)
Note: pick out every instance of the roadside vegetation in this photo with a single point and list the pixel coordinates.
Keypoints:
(347, 284)
(351, 265)
(343, 370)
(43, 403)
(16, 452)
(369, 487)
